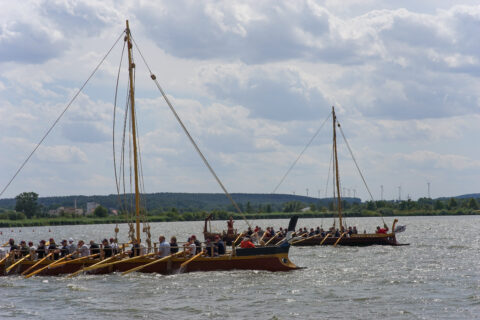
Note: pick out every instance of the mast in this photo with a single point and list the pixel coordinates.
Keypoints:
(131, 66)
(337, 177)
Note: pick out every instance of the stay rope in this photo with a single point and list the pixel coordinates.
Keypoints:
(204, 159)
(301, 153)
(61, 115)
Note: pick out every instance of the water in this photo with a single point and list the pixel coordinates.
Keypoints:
(436, 277)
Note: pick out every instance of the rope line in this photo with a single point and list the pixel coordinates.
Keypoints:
(300, 155)
(60, 116)
(185, 130)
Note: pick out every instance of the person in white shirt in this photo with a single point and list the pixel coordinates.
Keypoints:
(163, 247)
(72, 247)
(83, 249)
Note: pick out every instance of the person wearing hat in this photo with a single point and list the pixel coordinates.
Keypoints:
(72, 247)
(41, 250)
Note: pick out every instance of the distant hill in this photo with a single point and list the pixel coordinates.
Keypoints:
(183, 201)
(463, 196)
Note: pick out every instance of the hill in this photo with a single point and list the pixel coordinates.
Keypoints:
(183, 201)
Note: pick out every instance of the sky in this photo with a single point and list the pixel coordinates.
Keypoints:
(253, 81)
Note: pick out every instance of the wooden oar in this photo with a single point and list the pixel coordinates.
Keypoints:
(183, 265)
(92, 267)
(6, 257)
(234, 243)
(38, 271)
(13, 265)
(272, 238)
(323, 240)
(150, 263)
(102, 265)
(75, 260)
(308, 238)
(340, 238)
(36, 264)
(54, 264)
(6, 243)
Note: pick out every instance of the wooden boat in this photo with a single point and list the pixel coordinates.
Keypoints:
(344, 237)
(272, 258)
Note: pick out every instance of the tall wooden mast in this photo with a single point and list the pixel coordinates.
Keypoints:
(337, 177)
(131, 66)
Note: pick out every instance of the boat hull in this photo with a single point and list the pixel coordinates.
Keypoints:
(357, 240)
(266, 258)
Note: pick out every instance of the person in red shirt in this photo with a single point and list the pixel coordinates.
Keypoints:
(246, 243)
(382, 230)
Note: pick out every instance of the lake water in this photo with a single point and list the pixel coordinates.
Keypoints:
(436, 277)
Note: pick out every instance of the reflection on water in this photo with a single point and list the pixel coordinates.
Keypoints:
(437, 276)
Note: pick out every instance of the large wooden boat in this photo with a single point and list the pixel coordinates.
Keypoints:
(271, 258)
(343, 236)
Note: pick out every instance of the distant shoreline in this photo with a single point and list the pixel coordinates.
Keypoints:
(59, 221)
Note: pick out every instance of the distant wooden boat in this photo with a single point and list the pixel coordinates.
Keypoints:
(343, 237)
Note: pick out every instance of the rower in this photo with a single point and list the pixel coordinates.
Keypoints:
(163, 247)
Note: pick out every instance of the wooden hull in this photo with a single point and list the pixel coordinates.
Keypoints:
(266, 258)
(357, 240)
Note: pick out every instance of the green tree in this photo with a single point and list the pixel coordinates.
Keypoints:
(268, 208)
(100, 212)
(249, 208)
(452, 203)
(438, 205)
(472, 204)
(27, 203)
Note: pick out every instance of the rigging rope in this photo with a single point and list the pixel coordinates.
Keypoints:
(301, 153)
(204, 159)
(358, 168)
(60, 116)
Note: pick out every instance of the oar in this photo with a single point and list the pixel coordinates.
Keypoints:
(102, 265)
(6, 257)
(5, 244)
(13, 265)
(38, 271)
(340, 238)
(323, 240)
(183, 265)
(103, 261)
(308, 238)
(75, 260)
(234, 243)
(50, 266)
(272, 238)
(150, 263)
(90, 267)
(36, 264)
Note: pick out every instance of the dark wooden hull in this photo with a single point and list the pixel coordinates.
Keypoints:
(266, 258)
(357, 240)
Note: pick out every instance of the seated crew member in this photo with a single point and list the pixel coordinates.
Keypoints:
(52, 247)
(107, 249)
(83, 249)
(33, 250)
(219, 245)
(246, 243)
(209, 248)
(114, 246)
(41, 250)
(190, 247)
(173, 245)
(14, 248)
(163, 247)
(72, 247)
(381, 230)
(64, 249)
(24, 249)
